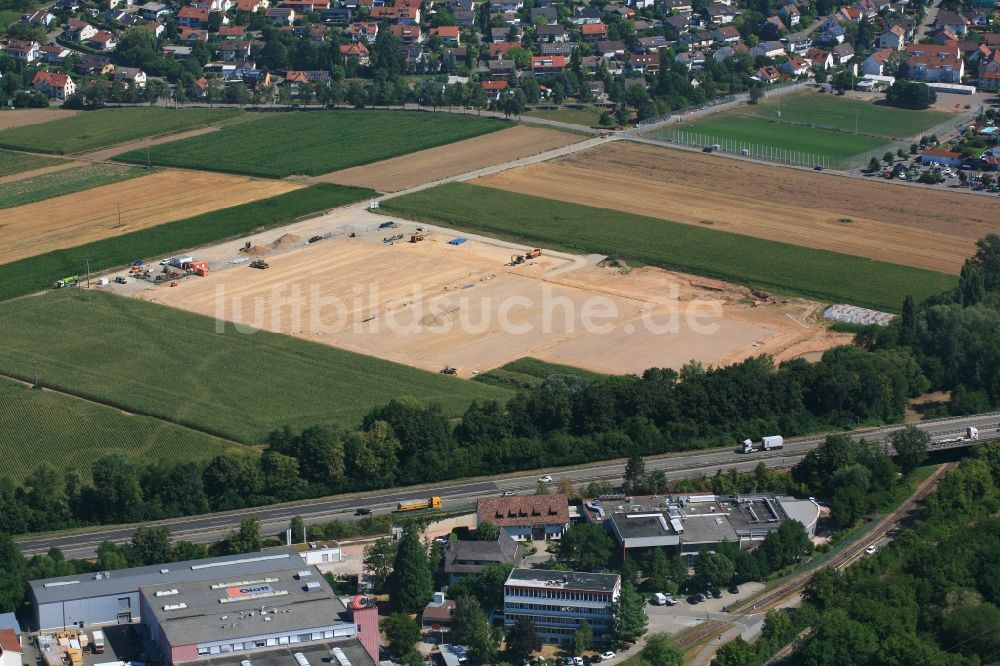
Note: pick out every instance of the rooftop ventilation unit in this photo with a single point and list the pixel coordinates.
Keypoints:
(166, 593)
(180, 606)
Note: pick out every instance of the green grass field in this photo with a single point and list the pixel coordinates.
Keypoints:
(821, 125)
(588, 117)
(67, 431)
(529, 372)
(107, 127)
(11, 163)
(154, 360)
(770, 265)
(315, 142)
(35, 273)
(55, 184)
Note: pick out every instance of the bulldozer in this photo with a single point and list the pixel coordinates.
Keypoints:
(417, 237)
(259, 263)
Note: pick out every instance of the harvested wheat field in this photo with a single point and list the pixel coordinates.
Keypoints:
(427, 166)
(431, 305)
(900, 224)
(164, 196)
(20, 117)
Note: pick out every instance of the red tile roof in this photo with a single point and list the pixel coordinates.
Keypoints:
(524, 510)
(9, 642)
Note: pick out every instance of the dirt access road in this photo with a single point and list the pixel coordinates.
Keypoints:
(162, 196)
(904, 225)
(425, 166)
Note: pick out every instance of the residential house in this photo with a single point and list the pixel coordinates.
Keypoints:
(677, 23)
(791, 14)
(10, 647)
(610, 48)
(357, 50)
(193, 34)
(768, 74)
(252, 6)
(848, 15)
(798, 45)
(154, 27)
(935, 62)
(40, 17)
(773, 24)
(645, 63)
(678, 6)
(103, 41)
(256, 80)
(468, 558)
(989, 73)
(893, 38)
(953, 20)
(699, 40)
(499, 50)
(551, 34)
(151, 11)
(556, 603)
(338, 15)
(833, 34)
(191, 17)
(465, 18)
(510, 5)
(727, 34)
(436, 615)
(498, 35)
(874, 65)
(647, 44)
(235, 50)
(592, 32)
(842, 53)
(56, 86)
(720, 14)
(79, 31)
(524, 517)
(448, 34)
(494, 88)
(585, 16)
(546, 49)
(232, 32)
(175, 51)
(118, 16)
(683, 58)
(131, 75)
(366, 30)
(945, 35)
(596, 91)
(502, 68)
(407, 34)
(54, 53)
(281, 15)
(94, 65)
(768, 50)
(455, 55)
(820, 58)
(795, 66)
(721, 54)
(545, 15)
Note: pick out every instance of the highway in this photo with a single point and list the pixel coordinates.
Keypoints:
(463, 493)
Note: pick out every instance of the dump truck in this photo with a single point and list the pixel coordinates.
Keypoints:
(417, 505)
(769, 443)
(70, 281)
(532, 254)
(416, 238)
(259, 263)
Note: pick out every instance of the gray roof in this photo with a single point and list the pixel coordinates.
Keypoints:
(314, 653)
(85, 586)
(192, 612)
(573, 580)
(469, 557)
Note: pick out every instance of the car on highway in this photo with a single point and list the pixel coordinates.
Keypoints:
(362, 511)
(607, 656)
(871, 550)
(545, 479)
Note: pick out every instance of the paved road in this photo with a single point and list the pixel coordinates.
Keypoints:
(462, 494)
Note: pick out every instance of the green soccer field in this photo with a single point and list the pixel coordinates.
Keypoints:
(158, 361)
(276, 145)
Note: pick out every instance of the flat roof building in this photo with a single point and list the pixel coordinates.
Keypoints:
(557, 602)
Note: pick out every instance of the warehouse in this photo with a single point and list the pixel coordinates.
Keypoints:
(233, 617)
(112, 597)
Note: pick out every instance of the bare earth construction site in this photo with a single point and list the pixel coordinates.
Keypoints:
(431, 304)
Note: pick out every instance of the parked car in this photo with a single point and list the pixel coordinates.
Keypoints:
(733, 589)
(608, 655)
(578, 661)
(545, 479)
(693, 600)
(717, 593)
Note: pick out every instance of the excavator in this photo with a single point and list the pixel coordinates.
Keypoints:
(259, 263)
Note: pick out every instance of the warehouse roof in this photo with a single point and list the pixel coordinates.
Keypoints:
(84, 586)
(291, 599)
(316, 655)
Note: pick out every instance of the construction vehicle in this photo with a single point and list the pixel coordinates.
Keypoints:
(417, 505)
(533, 254)
(70, 281)
(417, 237)
(259, 263)
(121, 279)
(448, 370)
(516, 259)
(767, 444)
(314, 239)
(388, 225)
(971, 435)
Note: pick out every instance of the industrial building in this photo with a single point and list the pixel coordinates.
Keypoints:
(234, 616)
(112, 597)
(557, 602)
(688, 523)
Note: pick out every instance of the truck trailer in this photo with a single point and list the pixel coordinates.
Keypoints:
(769, 443)
(417, 505)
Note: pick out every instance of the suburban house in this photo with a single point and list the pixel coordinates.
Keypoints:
(79, 31)
(494, 88)
(191, 17)
(833, 34)
(357, 50)
(251, 6)
(874, 65)
(989, 72)
(893, 38)
(774, 24)
(436, 615)
(551, 33)
(795, 66)
(407, 34)
(842, 53)
(935, 62)
(726, 34)
(791, 14)
(103, 41)
(94, 64)
(820, 58)
(234, 51)
(720, 14)
(130, 75)
(54, 53)
(768, 74)
(26, 51)
(592, 32)
(524, 517)
(193, 34)
(153, 10)
(448, 34)
(232, 32)
(281, 15)
(956, 22)
(546, 65)
(39, 17)
(768, 50)
(366, 30)
(468, 558)
(56, 86)
(647, 63)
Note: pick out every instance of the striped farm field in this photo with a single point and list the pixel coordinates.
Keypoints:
(69, 432)
(11, 163)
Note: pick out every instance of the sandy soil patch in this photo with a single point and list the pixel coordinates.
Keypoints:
(108, 153)
(427, 166)
(19, 117)
(905, 225)
(431, 304)
(90, 215)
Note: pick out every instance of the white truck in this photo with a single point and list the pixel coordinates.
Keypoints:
(97, 641)
(178, 262)
(660, 599)
(971, 435)
(769, 443)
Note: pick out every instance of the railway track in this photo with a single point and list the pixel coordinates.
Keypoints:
(697, 635)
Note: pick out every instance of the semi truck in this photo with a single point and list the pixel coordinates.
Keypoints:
(971, 435)
(417, 505)
(769, 443)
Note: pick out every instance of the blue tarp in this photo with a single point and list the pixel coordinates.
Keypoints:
(457, 241)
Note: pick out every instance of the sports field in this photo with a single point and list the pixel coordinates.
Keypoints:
(11, 163)
(810, 122)
(67, 181)
(96, 129)
(694, 249)
(155, 360)
(40, 426)
(315, 142)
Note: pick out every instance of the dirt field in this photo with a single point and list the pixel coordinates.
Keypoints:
(427, 166)
(160, 197)
(431, 304)
(20, 117)
(905, 225)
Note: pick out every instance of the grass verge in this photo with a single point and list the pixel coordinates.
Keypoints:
(153, 360)
(34, 273)
(42, 425)
(315, 142)
(67, 181)
(764, 264)
(107, 127)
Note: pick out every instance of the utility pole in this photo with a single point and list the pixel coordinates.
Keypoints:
(34, 365)
(119, 214)
(88, 273)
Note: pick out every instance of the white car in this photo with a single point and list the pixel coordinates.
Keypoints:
(545, 479)
(607, 655)
(870, 550)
